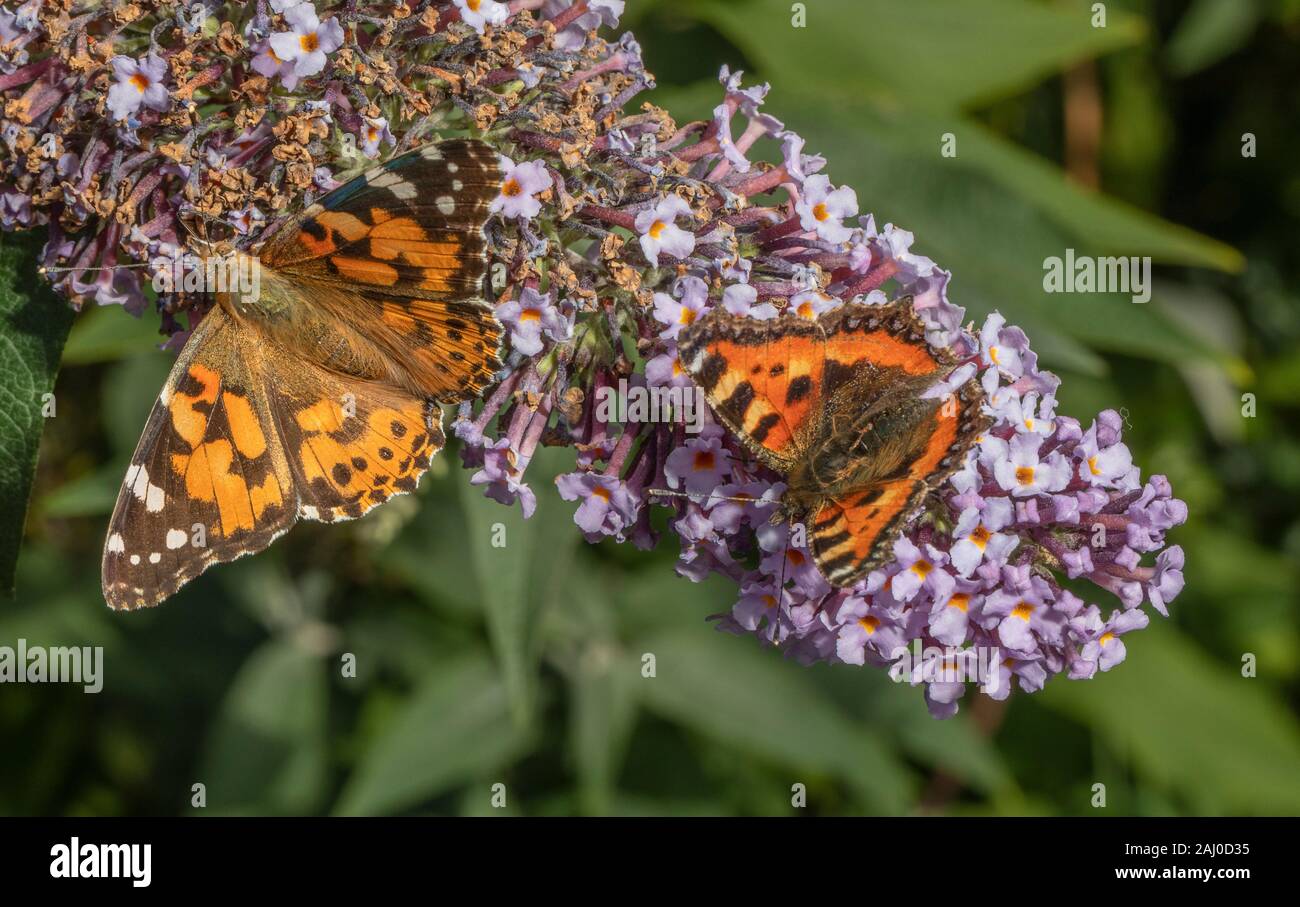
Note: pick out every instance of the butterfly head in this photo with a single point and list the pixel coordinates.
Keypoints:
(235, 280)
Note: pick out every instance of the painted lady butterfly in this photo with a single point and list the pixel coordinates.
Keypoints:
(319, 398)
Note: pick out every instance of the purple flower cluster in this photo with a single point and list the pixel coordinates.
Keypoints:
(1039, 502)
(613, 232)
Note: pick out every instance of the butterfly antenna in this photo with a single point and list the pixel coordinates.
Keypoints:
(45, 269)
(698, 498)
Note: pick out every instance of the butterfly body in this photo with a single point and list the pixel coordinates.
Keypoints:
(313, 391)
(844, 407)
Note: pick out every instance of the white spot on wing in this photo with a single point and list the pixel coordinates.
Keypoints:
(135, 559)
(176, 538)
(137, 479)
(155, 557)
(446, 204)
(115, 543)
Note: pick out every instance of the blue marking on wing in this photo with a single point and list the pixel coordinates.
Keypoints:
(339, 196)
(403, 160)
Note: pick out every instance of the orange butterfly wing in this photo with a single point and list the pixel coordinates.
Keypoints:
(399, 256)
(791, 387)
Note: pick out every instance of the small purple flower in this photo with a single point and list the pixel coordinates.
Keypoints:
(1018, 469)
(739, 299)
(607, 506)
(308, 45)
(681, 311)
(267, 63)
(600, 12)
(822, 209)
(867, 628)
(502, 474)
(950, 615)
(701, 464)
(520, 184)
(373, 133)
(1003, 348)
(666, 370)
(812, 303)
(800, 166)
(977, 536)
(1027, 414)
(659, 230)
(478, 14)
(137, 83)
(15, 209)
(246, 219)
(1168, 580)
(919, 570)
(1102, 466)
(530, 317)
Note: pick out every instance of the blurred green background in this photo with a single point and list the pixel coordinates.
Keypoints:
(522, 666)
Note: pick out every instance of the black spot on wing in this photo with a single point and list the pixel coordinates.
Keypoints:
(735, 406)
(712, 370)
(765, 425)
(799, 389)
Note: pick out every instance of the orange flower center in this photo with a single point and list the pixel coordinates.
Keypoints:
(530, 315)
(922, 568)
(820, 212)
(512, 188)
(980, 536)
(657, 229)
(139, 82)
(309, 42)
(601, 492)
(870, 624)
(687, 316)
(1023, 611)
(704, 460)
(960, 601)
(1025, 475)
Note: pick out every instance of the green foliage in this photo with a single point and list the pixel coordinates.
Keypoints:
(33, 326)
(526, 666)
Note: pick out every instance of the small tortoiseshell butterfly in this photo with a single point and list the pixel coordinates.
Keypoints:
(836, 404)
(319, 398)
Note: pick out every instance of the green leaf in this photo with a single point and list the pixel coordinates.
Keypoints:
(109, 333)
(520, 577)
(995, 243)
(267, 749)
(34, 325)
(897, 712)
(454, 728)
(1209, 31)
(728, 689)
(1107, 224)
(940, 54)
(1222, 742)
